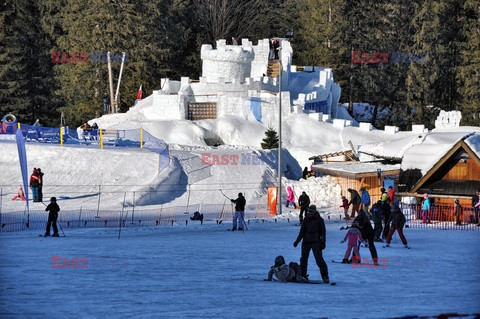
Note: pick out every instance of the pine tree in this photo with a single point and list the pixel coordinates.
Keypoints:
(469, 71)
(271, 139)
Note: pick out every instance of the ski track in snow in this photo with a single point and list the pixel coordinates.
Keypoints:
(205, 271)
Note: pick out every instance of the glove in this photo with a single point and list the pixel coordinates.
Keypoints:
(295, 244)
(232, 200)
(342, 241)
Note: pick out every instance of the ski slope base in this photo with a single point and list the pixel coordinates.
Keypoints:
(205, 271)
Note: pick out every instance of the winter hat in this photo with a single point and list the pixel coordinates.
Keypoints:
(425, 195)
(396, 203)
(343, 197)
(457, 201)
(279, 260)
(53, 199)
(362, 188)
(312, 209)
(240, 195)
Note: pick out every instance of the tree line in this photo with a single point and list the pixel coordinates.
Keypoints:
(433, 51)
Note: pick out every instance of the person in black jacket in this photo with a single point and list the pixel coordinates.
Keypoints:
(53, 210)
(476, 209)
(386, 217)
(313, 235)
(304, 202)
(363, 224)
(40, 185)
(305, 173)
(355, 200)
(398, 221)
(239, 212)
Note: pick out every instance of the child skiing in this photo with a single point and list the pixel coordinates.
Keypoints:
(53, 210)
(397, 222)
(284, 272)
(354, 238)
(345, 207)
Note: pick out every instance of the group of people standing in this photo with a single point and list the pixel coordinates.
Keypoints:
(36, 184)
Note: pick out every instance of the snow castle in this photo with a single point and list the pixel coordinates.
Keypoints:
(243, 80)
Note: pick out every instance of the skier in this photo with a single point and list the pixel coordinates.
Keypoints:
(239, 211)
(354, 200)
(34, 183)
(365, 200)
(377, 220)
(313, 235)
(53, 210)
(425, 209)
(363, 224)
(397, 222)
(290, 197)
(354, 238)
(345, 207)
(20, 194)
(304, 202)
(284, 272)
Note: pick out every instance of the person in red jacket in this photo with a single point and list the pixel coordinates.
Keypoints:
(345, 206)
(391, 194)
(34, 184)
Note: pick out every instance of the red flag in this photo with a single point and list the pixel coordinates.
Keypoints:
(139, 94)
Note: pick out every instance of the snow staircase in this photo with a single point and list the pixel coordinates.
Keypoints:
(273, 69)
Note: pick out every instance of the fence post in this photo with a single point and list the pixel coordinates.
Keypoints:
(98, 205)
(141, 137)
(133, 210)
(61, 135)
(101, 138)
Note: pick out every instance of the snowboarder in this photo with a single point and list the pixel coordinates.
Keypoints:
(458, 212)
(284, 272)
(397, 222)
(345, 207)
(40, 185)
(377, 220)
(20, 194)
(290, 197)
(425, 209)
(354, 238)
(239, 214)
(313, 237)
(34, 183)
(363, 224)
(365, 200)
(355, 201)
(53, 210)
(304, 202)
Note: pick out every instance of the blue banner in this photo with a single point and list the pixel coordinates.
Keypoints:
(256, 108)
(22, 155)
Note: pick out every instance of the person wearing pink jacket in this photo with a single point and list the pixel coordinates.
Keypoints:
(354, 238)
(20, 194)
(290, 197)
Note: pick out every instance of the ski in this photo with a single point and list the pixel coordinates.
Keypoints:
(408, 247)
(339, 262)
(311, 282)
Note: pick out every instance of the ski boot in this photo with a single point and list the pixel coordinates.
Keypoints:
(326, 280)
(55, 235)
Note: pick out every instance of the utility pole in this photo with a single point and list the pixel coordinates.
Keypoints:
(110, 80)
(279, 196)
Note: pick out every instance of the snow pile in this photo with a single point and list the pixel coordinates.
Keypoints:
(322, 191)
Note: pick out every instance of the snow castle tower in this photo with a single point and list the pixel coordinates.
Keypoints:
(227, 63)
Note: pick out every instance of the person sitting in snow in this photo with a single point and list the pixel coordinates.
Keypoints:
(354, 238)
(53, 210)
(290, 197)
(284, 272)
(197, 216)
(20, 194)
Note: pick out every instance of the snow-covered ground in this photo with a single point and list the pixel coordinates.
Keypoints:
(206, 272)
